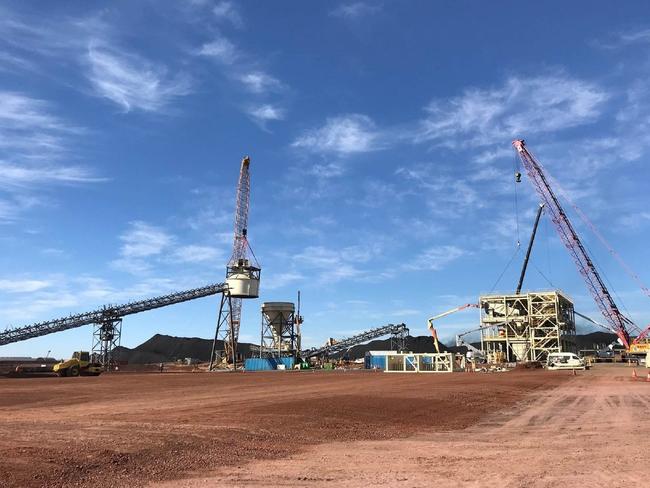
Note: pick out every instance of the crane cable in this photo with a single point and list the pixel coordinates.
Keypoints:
(517, 175)
(604, 241)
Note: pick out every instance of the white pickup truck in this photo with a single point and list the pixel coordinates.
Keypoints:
(565, 360)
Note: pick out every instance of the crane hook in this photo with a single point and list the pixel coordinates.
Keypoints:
(517, 177)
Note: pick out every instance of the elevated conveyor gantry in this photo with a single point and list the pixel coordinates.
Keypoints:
(398, 333)
(107, 320)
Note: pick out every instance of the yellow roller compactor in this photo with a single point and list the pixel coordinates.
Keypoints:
(78, 364)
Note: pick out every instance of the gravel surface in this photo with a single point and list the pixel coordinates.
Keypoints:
(136, 429)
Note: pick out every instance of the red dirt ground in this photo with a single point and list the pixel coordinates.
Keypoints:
(136, 429)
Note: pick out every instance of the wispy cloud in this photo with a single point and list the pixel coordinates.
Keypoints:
(33, 143)
(197, 254)
(520, 106)
(91, 45)
(13, 176)
(143, 240)
(342, 135)
(436, 258)
(220, 49)
(229, 12)
(265, 113)
(23, 286)
(333, 265)
(260, 82)
(146, 247)
(619, 40)
(355, 10)
(133, 82)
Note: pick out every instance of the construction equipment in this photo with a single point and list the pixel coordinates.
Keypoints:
(79, 364)
(107, 321)
(242, 275)
(432, 330)
(530, 248)
(617, 322)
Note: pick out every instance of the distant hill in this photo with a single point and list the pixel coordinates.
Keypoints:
(164, 348)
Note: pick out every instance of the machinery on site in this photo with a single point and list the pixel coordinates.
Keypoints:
(80, 364)
(242, 277)
(434, 332)
(107, 321)
(519, 327)
(616, 321)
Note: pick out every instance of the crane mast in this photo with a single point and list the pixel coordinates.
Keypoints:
(569, 237)
(240, 258)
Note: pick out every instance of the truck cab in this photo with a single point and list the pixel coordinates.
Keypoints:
(564, 360)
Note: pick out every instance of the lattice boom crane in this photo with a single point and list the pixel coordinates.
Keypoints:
(242, 274)
(614, 317)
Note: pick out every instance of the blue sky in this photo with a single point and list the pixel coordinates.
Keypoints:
(379, 135)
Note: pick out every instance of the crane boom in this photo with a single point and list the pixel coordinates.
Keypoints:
(530, 248)
(240, 249)
(572, 242)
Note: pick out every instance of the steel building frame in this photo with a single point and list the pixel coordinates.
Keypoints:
(527, 327)
(420, 363)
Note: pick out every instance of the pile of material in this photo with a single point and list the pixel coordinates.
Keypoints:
(163, 348)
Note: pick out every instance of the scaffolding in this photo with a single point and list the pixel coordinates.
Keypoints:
(421, 363)
(527, 327)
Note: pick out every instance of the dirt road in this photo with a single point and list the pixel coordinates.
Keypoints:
(592, 430)
(135, 429)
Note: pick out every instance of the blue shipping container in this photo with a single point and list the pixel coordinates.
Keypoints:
(268, 364)
(375, 361)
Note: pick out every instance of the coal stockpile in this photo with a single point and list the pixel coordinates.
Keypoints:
(163, 348)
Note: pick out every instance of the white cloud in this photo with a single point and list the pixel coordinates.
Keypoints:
(342, 135)
(23, 286)
(143, 240)
(28, 127)
(355, 10)
(521, 106)
(12, 176)
(333, 265)
(265, 113)
(133, 82)
(436, 258)
(260, 82)
(32, 141)
(636, 220)
(197, 254)
(228, 11)
(220, 49)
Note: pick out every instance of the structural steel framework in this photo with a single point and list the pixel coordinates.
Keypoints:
(420, 363)
(107, 320)
(278, 335)
(398, 333)
(527, 327)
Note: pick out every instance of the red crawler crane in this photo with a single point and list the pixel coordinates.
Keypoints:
(618, 322)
